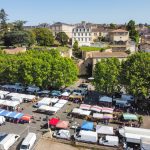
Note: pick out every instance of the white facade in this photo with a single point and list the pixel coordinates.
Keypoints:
(62, 27)
(83, 35)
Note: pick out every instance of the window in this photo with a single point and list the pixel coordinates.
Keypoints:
(78, 34)
(85, 34)
(76, 30)
(85, 39)
(78, 39)
(89, 34)
(74, 34)
(80, 30)
(88, 29)
(82, 34)
(82, 39)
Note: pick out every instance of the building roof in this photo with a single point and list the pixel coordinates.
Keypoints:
(119, 30)
(109, 55)
(61, 23)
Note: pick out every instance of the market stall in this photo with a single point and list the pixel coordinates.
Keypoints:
(62, 124)
(87, 125)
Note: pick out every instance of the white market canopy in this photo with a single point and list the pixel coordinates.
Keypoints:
(107, 130)
(81, 112)
(98, 116)
(59, 105)
(48, 108)
(9, 103)
(62, 101)
(76, 110)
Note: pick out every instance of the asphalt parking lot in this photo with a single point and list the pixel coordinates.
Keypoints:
(36, 124)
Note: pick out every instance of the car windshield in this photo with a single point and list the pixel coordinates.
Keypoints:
(24, 146)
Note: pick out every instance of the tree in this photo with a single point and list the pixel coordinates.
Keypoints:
(112, 26)
(18, 38)
(18, 25)
(44, 36)
(3, 19)
(62, 38)
(106, 75)
(75, 46)
(45, 68)
(135, 74)
(134, 35)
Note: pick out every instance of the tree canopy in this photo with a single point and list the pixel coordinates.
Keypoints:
(18, 38)
(106, 74)
(44, 36)
(134, 35)
(135, 74)
(62, 38)
(42, 68)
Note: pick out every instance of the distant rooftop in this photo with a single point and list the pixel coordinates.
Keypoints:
(119, 30)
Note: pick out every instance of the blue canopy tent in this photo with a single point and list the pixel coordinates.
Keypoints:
(1, 111)
(12, 114)
(87, 125)
(4, 113)
(18, 115)
(8, 114)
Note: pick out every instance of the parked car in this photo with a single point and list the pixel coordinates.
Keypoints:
(84, 86)
(32, 89)
(44, 93)
(109, 140)
(2, 120)
(63, 134)
(86, 136)
(79, 92)
(7, 140)
(56, 93)
(28, 142)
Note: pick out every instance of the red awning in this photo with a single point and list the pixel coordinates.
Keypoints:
(53, 121)
(26, 117)
(62, 124)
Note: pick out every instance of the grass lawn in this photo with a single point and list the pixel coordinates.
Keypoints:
(87, 48)
(62, 48)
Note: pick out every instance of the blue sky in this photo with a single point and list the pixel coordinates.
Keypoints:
(74, 11)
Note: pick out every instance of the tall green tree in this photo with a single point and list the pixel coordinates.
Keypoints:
(112, 26)
(76, 46)
(44, 36)
(45, 68)
(134, 35)
(62, 38)
(135, 74)
(18, 25)
(106, 75)
(3, 19)
(18, 38)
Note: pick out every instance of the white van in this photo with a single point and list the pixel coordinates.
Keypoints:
(86, 136)
(109, 140)
(28, 142)
(2, 120)
(63, 134)
(8, 141)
